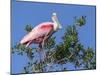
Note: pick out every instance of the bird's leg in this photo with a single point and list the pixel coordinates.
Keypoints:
(43, 43)
(40, 50)
(40, 47)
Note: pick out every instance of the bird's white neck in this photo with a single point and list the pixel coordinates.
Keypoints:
(56, 23)
(56, 26)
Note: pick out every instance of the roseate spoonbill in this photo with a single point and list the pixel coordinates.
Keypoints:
(42, 32)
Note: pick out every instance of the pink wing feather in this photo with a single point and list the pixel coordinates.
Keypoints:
(38, 31)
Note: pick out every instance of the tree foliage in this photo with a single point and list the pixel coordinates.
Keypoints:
(70, 50)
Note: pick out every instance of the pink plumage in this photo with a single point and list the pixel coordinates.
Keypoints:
(41, 32)
(38, 33)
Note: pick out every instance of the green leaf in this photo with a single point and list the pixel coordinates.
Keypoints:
(80, 21)
(28, 28)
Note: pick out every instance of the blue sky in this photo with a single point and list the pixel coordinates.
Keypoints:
(33, 13)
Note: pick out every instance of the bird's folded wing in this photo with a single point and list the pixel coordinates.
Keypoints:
(28, 37)
(37, 32)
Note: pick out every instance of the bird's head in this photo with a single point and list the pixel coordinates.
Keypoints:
(57, 25)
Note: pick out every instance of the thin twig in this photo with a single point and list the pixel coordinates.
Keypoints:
(49, 66)
(51, 55)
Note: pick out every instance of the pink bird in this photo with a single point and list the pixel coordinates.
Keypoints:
(42, 32)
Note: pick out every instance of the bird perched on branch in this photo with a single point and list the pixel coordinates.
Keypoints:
(41, 32)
